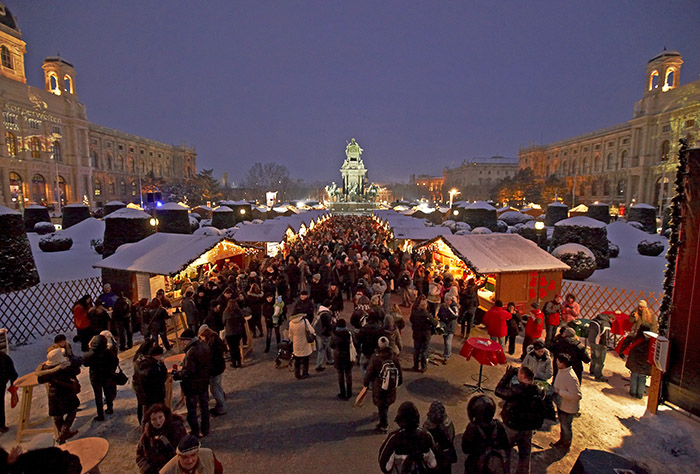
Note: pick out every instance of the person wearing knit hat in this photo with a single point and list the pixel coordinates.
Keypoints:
(384, 373)
(61, 375)
(643, 315)
(566, 342)
(103, 362)
(439, 425)
(408, 447)
(191, 457)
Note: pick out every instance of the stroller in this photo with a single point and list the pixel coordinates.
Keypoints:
(285, 354)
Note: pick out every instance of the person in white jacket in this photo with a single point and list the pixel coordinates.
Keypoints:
(302, 348)
(567, 390)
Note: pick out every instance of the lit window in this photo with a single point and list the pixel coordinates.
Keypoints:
(68, 84)
(689, 123)
(54, 86)
(56, 151)
(35, 147)
(122, 188)
(5, 57)
(654, 80)
(11, 141)
(98, 187)
(666, 128)
(665, 150)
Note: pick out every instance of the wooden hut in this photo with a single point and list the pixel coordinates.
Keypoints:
(515, 268)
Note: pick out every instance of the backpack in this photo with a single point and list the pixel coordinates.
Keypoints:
(491, 460)
(527, 416)
(389, 376)
(413, 466)
(603, 333)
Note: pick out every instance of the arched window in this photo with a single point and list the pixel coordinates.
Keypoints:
(623, 159)
(133, 188)
(56, 151)
(670, 77)
(143, 167)
(97, 187)
(54, 85)
(584, 167)
(111, 188)
(606, 187)
(120, 163)
(621, 187)
(35, 147)
(665, 150)
(5, 57)
(16, 192)
(62, 188)
(563, 169)
(597, 163)
(68, 84)
(654, 80)
(130, 165)
(109, 162)
(95, 160)
(11, 141)
(38, 189)
(122, 188)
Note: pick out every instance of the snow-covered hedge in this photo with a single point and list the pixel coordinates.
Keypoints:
(579, 258)
(112, 206)
(194, 223)
(556, 212)
(481, 230)
(501, 227)
(479, 214)
(645, 215)
(43, 228)
(34, 214)
(18, 270)
(515, 217)
(223, 217)
(614, 250)
(196, 216)
(55, 243)
(73, 214)
(650, 248)
(125, 226)
(97, 245)
(586, 231)
(208, 231)
(173, 218)
(599, 212)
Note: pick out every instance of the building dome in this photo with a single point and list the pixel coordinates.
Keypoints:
(666, 53)
(7, 18)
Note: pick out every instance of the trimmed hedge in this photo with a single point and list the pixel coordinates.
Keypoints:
(55, 243)
(599, 212)
(125, 230)
(650, 248)
(556, 213)
(614, 250)
(73, 214)
(582, 266)
(43, 228)
(112, 206)
(479, 217)
(34, 214)
(18, 270)
(645, 215)
(223, 218)
(194, 223)
(173, 221)
(594, 238)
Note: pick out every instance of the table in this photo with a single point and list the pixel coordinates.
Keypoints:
(170, 362)
(594, 461)
(91, 452)
(25, 427)
(621, 323)
(485, 352)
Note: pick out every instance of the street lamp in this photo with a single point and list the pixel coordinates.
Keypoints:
(54, 138)
(539, 229)
(453, 192)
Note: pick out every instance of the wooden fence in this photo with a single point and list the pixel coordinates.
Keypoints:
(595, 298)
(44, 309)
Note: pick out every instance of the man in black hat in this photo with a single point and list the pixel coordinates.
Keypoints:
(305, 305)
(192, 458)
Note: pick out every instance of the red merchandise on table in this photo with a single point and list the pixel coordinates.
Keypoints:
(485, 351)
(621, 323)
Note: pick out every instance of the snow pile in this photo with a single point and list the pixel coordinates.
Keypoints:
(127, 213)
(581, 221)
(572, 249)
(172, 206)
(481, 230)
(207, 231)
(480, 205)
(43, 228)
(515, 217)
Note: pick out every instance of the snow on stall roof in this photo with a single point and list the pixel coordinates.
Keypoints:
(235, 203)
(115, 203)
(203, 206)
(602, 204)
(127, 213)
(161, 253)
(420, 233)
(223, 209)
(581, 221)
(580, 208)
(642, 205)
(6, 211)
(501, 253)
(207, 230)
(272, 232)
(480, 205)
(173, 206)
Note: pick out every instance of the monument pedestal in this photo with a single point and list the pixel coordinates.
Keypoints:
(357, 208)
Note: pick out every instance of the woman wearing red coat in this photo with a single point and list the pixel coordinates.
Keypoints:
(533, 328)
(495, 321)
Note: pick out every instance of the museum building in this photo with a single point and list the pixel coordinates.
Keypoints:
(51, 149)
(633, 161)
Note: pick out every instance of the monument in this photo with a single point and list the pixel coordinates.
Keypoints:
(354, 196)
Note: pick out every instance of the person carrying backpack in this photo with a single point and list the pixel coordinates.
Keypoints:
(384, 373)
(523, 411)
(598, 335)
(485, 441)
(409, 449)
(323, 324)
(442, 430)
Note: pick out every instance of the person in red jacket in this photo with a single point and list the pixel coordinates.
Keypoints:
(533, 328)
(495, 321)
(81, 321)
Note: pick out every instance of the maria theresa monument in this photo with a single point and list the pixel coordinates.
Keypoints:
(353, 172)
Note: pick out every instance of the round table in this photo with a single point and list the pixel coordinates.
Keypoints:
(621, 323)
(485, 352)
(91, 452)
(594, 461)
(25, 427)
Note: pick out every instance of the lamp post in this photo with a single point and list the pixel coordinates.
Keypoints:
(453, 192)
(54, 138)
(539, 229)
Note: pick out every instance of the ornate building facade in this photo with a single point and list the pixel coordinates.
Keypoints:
(634, 161)
(428, 187)
(474, 178)
(51, 149)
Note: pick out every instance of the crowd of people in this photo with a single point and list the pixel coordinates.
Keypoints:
(302, 298)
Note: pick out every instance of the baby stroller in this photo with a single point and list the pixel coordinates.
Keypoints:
(285, 355)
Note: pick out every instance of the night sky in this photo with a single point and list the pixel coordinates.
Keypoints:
(420, 85)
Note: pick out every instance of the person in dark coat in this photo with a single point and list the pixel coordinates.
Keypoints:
(305, 305)
(255, 299)
(636, 348)
(161, 434)
(149, 379)
(441, 428)
(367, 339)
(102, 363)
(157, 325)
(273, 314)
(218, 365)
(234, 331)
(46, 459)
(408, 446)
(340, 342)
(514, 325)
(422, 323)
(485, 437)
(382, 398)
(7, 374)
(566, 342)
(61, 375)
(121, 319)
(194, 378)
(99, 319)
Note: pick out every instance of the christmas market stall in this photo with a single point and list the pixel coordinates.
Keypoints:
(270, 237)
(512, 267)
(172, 261)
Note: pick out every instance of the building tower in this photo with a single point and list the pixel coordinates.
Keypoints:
(663, 72)
(59, 76)
(12, 48)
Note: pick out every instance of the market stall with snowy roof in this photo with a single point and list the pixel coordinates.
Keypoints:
(511, 267)
(272, 237)
(408, 237)
(169, 261)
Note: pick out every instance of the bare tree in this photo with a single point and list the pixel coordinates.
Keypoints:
(263, 177)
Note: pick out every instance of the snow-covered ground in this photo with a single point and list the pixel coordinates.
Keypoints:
(630, 270)
(73, 264)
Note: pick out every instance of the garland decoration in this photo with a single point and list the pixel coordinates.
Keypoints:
(673, 241)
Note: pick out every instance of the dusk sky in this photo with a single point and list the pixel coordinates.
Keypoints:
(420, 85)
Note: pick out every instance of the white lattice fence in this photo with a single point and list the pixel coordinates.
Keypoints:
(43, 309)
(595, 298)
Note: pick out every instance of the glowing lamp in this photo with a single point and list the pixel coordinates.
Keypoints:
(154, 221)
(539, 225)
(242, 211)
(456, 212)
